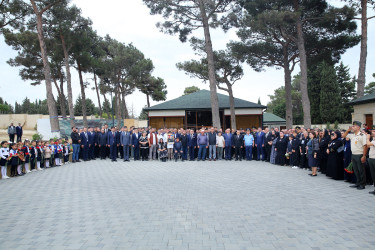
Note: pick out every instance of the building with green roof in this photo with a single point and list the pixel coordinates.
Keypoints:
(194, 111)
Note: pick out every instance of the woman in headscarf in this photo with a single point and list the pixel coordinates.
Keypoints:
(323, 145)
(335, 168)
(281, 147)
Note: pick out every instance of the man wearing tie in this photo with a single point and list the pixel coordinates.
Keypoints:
(85, 144)
(125, 141)
(112, 143)
(259, 144)
(91, 140)
(135, 144)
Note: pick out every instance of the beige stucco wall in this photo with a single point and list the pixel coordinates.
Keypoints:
(364, 109)
(30, 120)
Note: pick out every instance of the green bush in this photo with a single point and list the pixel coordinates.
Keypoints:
(328, 125)
(336, 126)
(37, 137)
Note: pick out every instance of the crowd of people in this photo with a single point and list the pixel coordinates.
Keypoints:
(340, 155)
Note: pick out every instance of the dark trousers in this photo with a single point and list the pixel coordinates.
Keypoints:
(192, 153)
(359, 170)
(260, 151)
(144, 153)
(184, 153)
(178, 155)
(121, 150)
(19, 138)
(113, 152)
(91, 151)
(85, 152)
(97, 151)
(11, 137)
(255, 153)
(103, 152)
(303, 161)
(268, 151)
(136, 152)
(248, 151)
(66, 158)
(238, 152)
(228, 152)
(371, 163)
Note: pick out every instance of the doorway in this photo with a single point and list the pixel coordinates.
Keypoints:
(369, 121)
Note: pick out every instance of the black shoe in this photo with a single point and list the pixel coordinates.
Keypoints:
(78, 161)
(354, 186)
(372, 192)
(314, 175)
(310, 174)
(361, 187)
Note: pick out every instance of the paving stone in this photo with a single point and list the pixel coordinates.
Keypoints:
(190, 205)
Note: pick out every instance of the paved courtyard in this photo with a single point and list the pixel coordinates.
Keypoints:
(199, 205)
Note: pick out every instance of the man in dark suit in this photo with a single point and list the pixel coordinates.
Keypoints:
(135, 143)
(91, 141)
(192, 144)
(238, 144)
(112, 143)
(125, 141)
(102, 143)
(228, 137)
(119, 147)
(19, 131)
(85, 144)
(259, 144)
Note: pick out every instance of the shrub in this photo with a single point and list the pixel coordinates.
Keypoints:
(336, 126)
(37, 137)
(328, 125)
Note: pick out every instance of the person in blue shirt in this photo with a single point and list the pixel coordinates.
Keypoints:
(249, 144)
(259, 144)
(202, 142)
(228, 137)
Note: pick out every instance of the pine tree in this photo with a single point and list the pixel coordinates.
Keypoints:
(347, 91)
(330, 96)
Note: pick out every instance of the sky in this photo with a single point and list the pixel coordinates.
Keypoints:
(130, 22)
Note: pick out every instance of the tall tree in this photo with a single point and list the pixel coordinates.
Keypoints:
(227, 72)
(274, 24)
(12, 13)
(183, 17)
(38, 11)
(362, 8)
(155, 88)
(347, 91)
(330, 96)
(370, 88)
(64, 22)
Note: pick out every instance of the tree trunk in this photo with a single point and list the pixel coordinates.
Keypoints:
(55, 127)
(232, 107)
(108, 111)
(303, 66)
(68, 81)
(124, 108)
(62, 96)
(211, 67)
(97, 94)
(83, 95)
(361, 81)
(148, 100)
(288, 90)
(118, 106)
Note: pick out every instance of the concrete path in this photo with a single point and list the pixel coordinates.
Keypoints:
(190, 205)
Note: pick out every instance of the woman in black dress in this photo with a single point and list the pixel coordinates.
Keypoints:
(335, 168)
(323, 145)
(280, 148)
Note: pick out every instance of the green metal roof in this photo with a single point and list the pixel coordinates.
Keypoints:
(364, 99)
(271, 118)
(201, 100)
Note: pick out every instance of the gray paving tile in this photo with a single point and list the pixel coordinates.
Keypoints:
(199, 205)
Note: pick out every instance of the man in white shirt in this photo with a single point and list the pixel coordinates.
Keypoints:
(371, 161)
(359, 152)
